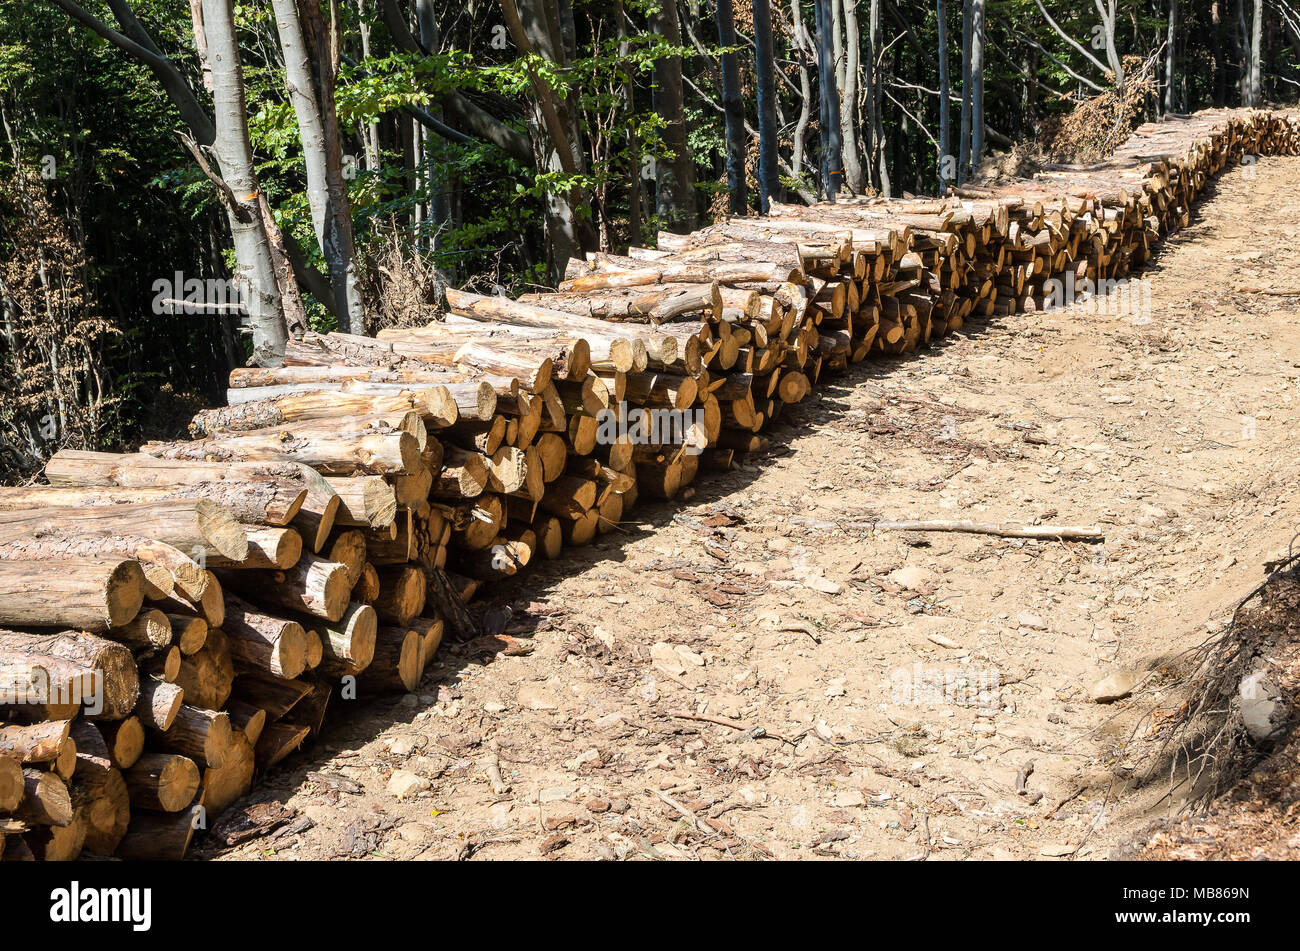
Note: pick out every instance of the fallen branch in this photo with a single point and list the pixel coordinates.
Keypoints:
(1006, 529)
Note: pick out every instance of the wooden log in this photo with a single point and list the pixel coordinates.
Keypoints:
(268, 549)
(349, 645)
(156, 837)
(114, 682)
(277, 741)
(58, 843)
(375, 450)
(124, 739)
(191, 525)
(95, 594)
(246, 719)
(151, 629)
(167, 570)
(223, 785)
(159, 704)
(262, 642)
(31, 743)
(313, 586)
(163, 782)
(349, 549)
(189, 632)
(401, 594)
(433, 404)
(202, 735)
(45, 799)
(365, 501)
(272, 694)
(102, 802)
(207, 675)
(11, 784)
(273, 501)
(396, 664)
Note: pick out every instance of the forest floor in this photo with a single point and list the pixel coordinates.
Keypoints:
(582, 732)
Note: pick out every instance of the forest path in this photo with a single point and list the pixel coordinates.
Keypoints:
(1173, 429)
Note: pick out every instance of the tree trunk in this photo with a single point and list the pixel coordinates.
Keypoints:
(945, 144)
(1171, 61)
(1254, 94)
(977, 82)
(831, 164)
(674, 176)
(963, 158)
(254, 267)
(769, 184)
(734, 110)
(309, 76)
(852, 147)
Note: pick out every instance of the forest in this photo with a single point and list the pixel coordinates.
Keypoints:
(186, 185)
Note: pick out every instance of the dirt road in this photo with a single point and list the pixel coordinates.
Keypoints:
(886, 689)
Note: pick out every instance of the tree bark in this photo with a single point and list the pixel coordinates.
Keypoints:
(674, 175)
(254, 267)
(733, 109)
(769, 183)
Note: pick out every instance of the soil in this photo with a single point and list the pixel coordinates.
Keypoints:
(588, 727)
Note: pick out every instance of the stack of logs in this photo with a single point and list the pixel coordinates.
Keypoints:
(181, 618)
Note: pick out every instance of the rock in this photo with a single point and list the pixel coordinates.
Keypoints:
(1114, 686)
(404, 784)
(597, 805)
(836, 687)
(494, 706)
(535, 698)
(824, 585)
(913, 578)
(942, 641)
(847, 798)
(1058, 850)
(667, 659)
(1031, 621)
(556, 793)
(1263, 710)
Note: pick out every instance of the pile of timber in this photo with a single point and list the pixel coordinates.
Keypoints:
(177, 620)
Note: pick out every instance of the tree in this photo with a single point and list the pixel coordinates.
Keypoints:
(735, 110)
(945, 146)
(674, 175)
(769, 185)
(1171, 44)
(309, 76)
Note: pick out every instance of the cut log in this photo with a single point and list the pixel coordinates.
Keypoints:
(45, 799)
(263, 642)
(115, 683)
(195, 526)
(159, 704)
(157, 837)
(95, 594)
(35, 742)
(233, 779)
(271, 501)
(150, 630)
(366, 501)
(11, 784)
(202, 735)
(207, 675)
(124, 739)
(268, 549)
(164, 782)
(396, 664)
(401, 594)
(349, 644)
